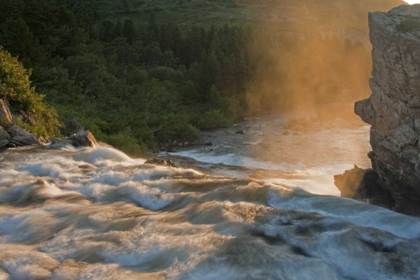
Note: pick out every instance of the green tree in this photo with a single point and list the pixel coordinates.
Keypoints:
(125, 6)
(129, 31)
(16, 87)
(19, 40)
(118, 29)
(106, 31)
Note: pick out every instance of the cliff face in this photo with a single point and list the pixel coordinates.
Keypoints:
(393, 109)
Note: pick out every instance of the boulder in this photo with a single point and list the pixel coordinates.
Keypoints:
(240, 131)
(20, 137)
(84, 138)
(4, 137)
(208, 143)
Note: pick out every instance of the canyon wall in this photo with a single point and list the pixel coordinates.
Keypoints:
(393, 109)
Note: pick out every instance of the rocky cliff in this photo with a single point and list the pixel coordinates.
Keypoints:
(393, 109)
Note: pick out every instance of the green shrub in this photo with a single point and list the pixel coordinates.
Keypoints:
(15, 86)
(128, 143)
(213, 119)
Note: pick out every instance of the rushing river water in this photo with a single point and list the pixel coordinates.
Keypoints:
(307, 157)
(69, 213)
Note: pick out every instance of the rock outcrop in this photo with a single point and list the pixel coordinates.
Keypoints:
(84, 138)
(393, 109)
(364, 185)
(4, 137)
(20, 137)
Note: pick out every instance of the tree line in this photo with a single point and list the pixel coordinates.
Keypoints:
(135, 86)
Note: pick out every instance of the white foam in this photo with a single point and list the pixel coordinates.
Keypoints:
(115, 218)
(236, 160)
(359, 213)
(150, 198)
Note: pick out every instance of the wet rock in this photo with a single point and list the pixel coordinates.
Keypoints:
(20, 137)
(162, 162)
(208, 143)
(240, 131)
(60, 141)
(349, 182)
(364, 185)
(393, 109)
(4, 137)
(84, 138)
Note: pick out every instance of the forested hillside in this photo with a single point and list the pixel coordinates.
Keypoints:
(137, 73)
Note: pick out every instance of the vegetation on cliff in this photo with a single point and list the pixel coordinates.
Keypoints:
(16, 87)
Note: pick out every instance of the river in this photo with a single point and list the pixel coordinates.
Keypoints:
(259, 205)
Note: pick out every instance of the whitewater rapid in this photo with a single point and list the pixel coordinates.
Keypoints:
(305, 157)
(69, 213)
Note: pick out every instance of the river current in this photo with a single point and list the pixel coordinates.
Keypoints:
(244, 208)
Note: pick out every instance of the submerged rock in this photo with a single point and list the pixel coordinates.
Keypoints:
(208, 143)
(162, 162)
(20, 137)
(84, 138)
(393, 109)
(240, 131)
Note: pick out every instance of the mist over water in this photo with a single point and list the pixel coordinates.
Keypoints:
(98, 214)
(313, 52)
(303, 150)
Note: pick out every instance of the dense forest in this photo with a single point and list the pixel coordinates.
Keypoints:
(135, 85)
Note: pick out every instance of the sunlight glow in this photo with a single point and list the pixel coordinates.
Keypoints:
(412, 1)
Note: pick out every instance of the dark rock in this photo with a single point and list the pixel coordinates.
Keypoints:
(393, 109)
(71, 125)
(208, 143)
(364, 109)
(240, 131)
(60, 141)
(162, 162)
(364, 185)
(84, 138)
(20, 137)
(349, 182)
(4, 137)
